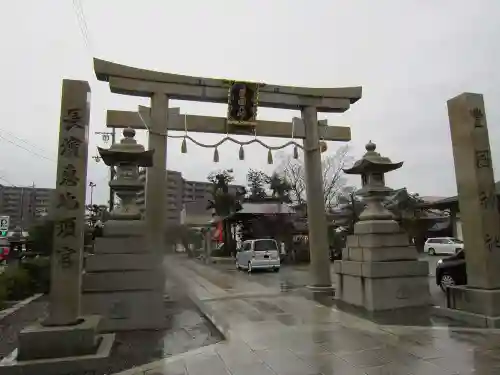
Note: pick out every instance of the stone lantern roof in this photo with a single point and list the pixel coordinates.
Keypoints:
(372, 162)
(127, 151)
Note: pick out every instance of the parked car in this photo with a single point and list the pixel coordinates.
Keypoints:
(258, 254)
(451, 271)
(443, 245)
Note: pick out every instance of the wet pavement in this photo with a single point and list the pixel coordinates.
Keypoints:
(271, 329)
(186, 330)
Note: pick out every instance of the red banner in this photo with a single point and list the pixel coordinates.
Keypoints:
(217, 236)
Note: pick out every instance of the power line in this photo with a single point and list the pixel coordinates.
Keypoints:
(26, 149)
(82, 22)
(24, 141)
(2, 178)
(83, 26)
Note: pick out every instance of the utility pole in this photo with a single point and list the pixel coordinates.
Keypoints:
(105, 138)
(92, 186)
(32, 204)
(22, 208)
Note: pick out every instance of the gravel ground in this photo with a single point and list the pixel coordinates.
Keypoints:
(187, 329)
(11, 325)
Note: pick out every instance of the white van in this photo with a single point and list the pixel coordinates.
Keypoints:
(443, 245)
(258, 254)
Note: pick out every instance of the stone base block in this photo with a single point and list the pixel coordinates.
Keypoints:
(380, 254)
(120, 245)
(376, 226)
(468, 318)
(378, 240)
(39, 342)
(124, 228)
(122, 262)
(382, 269)
(474, 300)
(124, 311)
(378, 286)
(77, 365)
(123, 281)
(379, 294)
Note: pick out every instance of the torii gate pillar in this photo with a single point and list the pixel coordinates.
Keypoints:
(155, 192)
(320, 277)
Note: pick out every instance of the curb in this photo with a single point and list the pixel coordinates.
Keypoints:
(11, 310)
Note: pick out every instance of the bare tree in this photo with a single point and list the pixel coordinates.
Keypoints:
(293, 170)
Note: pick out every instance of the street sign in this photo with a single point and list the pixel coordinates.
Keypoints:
(4, 224)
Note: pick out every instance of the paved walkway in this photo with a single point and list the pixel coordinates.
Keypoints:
(271, 330)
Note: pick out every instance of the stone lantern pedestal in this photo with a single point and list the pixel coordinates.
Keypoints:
(123, 280)
(379, 270)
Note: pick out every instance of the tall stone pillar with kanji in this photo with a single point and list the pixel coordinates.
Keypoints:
(477, 302)
(66, 342)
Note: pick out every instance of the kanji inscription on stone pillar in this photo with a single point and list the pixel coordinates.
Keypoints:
(476, 190)
(69, 205)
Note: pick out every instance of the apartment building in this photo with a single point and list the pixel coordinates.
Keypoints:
(181, 191)
(25, 204)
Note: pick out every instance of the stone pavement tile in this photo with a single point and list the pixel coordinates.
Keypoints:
(203, 364)
(342, 342)
(289, 319)
(394, 368)
(252, 369)
(468, 362)
(376, 357)
(418, 367)
(331, 364)
(284, 362)
(237, 354)
(431, 344)
(171, 368)
(483, 371)
(495, 353)
(424, 351)
(266, 307)
(303, 347)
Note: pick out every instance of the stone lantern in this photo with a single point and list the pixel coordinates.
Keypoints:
(379, 270)
(124, 279)
(127, 156)
(372, 167)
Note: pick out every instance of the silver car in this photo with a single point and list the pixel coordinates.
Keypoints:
(258, 254)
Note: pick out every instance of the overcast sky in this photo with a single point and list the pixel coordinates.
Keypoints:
(410, 56)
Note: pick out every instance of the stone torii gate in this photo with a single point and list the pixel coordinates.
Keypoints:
(161, 87)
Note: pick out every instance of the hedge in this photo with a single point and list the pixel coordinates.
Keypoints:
(29, 277)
